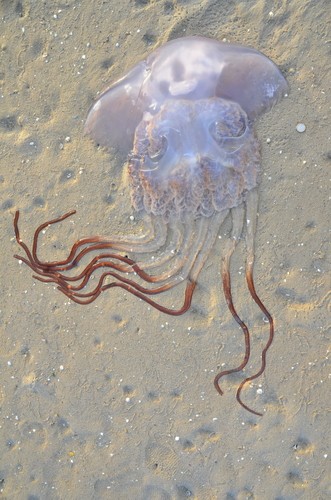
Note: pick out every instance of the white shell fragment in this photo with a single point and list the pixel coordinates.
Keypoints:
(301, 127)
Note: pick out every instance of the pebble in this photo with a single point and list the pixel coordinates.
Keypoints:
(301, 127)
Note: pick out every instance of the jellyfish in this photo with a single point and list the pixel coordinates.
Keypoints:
(185, 119)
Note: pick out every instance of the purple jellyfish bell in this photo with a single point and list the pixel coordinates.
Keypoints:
(189, 68)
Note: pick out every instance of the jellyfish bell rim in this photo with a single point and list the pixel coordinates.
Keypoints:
(208, 68)
(123, 97)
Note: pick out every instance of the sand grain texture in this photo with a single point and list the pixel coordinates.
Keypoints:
(116, 400)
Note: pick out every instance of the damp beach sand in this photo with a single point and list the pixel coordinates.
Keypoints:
(114, 399)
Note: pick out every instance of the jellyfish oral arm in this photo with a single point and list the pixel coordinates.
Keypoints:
(251, 215)
(112, 264)
(228, 250)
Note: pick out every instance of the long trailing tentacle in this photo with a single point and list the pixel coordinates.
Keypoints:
(151, 242)
(251, 220)
(205, 239)
(178, 274)
(178, 238)
(89, 298)
(209, 240)
(50, 272)
(228, 250)
(197, 247)
(251, 215)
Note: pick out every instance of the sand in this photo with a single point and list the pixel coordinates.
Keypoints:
(115, 400)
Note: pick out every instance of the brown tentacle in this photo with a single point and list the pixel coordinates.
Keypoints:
(49, 272)
(190, 287)
(56, 265)
(52, 268)
(243, 326)
(62, 281)
(256, 298)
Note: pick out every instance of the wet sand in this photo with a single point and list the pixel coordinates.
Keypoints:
(115, 400)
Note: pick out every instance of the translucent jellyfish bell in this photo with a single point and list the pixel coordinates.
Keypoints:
(186, 68)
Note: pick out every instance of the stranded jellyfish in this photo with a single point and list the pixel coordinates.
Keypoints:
(185, 117)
